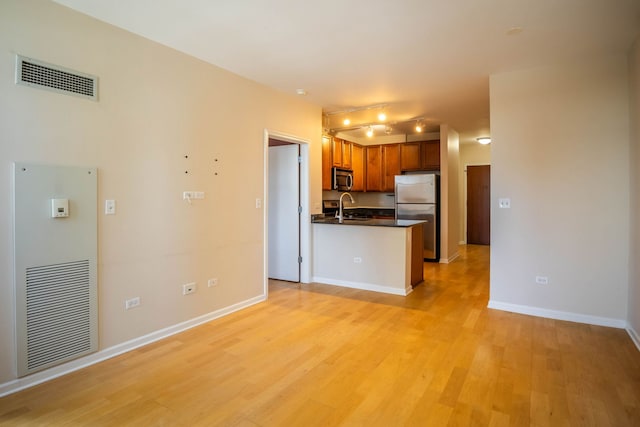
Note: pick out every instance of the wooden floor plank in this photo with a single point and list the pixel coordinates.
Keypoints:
(325, 355)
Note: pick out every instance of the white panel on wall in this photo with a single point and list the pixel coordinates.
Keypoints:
(55, 265)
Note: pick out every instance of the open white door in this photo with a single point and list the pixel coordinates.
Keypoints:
(284, 218)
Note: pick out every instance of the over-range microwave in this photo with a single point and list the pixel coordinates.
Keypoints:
(342, 179)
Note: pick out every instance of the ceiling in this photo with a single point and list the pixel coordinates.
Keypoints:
(426, 59)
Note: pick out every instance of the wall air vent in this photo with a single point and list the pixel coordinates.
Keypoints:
(34, 73)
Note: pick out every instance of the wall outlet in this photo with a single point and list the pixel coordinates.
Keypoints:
(258, 203)
(189, 288)
(212, 282)
(357, 260)
(132, 303)
(542, 280)
(504, 203)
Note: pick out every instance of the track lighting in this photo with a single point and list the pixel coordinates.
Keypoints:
(369, 131)
(382, 116)
(419, 126)
(346, 122)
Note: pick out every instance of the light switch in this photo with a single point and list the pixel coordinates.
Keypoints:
(504, 203)
(109, 207)
(258, 203)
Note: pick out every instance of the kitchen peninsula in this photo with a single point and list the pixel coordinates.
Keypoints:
(382, 255)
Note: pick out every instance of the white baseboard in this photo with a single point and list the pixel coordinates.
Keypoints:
(558, 315)
(107, 353)
(450, 259)
(635, 337)
(364, 286)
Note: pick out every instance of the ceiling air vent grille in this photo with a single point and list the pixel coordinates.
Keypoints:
(31, 72)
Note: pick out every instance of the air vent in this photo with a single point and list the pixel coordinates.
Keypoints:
(34, 73)
(58, 313)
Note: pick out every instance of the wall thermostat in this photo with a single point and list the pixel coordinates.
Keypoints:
(59, 208)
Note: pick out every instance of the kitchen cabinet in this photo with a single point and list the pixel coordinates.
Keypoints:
(390, 166)
(421, 155)
(341, 153)
(357, 164)
(373, 161)
(326, 163)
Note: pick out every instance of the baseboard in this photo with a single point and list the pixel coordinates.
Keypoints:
(635, 337)
(558, 315)
(450, 259)
(58, 371)
(364, 286)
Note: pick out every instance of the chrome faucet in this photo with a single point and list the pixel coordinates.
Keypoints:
(340, 216)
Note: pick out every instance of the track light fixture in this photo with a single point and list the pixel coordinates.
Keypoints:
(419, 126)
(369, 131)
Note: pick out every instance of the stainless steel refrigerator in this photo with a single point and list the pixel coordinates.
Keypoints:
(417, 198)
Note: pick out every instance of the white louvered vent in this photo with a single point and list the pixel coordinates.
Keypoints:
(58, 313)
(34, 73)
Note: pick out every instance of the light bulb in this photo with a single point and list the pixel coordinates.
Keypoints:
(484, 140)
(382, 116)
(418, 127)
(369, 132)
(346, 122)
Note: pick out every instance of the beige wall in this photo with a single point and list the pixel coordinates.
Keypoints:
(156, 106)
(634, 264)
(560, 152)
(449, 197)
(473, 154)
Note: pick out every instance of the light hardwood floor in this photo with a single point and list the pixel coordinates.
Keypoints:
(327, 356)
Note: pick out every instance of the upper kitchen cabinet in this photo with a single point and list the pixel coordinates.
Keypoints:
(421, 155)
(341, 153)
(373, 161)
(357, 164)
(326, 163)
(390, 166)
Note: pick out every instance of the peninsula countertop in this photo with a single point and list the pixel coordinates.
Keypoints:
(366, 221)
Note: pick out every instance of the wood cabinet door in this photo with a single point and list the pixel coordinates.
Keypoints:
(373, 157)
(410, 158)
(391, 166)
(357, 163)
(431, 155)
(346, 154)
(326, 163)
(336, 152)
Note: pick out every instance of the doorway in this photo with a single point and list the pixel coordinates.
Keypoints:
(303, 238)
(284, 211)
(479, 205)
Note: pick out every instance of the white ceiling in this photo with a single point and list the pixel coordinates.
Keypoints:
(423, 58)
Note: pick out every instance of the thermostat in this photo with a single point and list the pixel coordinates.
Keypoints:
(59, 208)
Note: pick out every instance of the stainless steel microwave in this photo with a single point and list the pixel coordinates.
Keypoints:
(342, 179)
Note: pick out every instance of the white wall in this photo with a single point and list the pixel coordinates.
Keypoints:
(634, 264)
(560, 152)
(156, 106)
(473, 154)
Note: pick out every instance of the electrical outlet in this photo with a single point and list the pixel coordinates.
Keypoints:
(189, 288)
(357, 260)
(187, 195)
(132, 303)
(542, 280)
(212, 282)
(258, 203)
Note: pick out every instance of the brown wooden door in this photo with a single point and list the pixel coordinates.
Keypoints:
(478, 204)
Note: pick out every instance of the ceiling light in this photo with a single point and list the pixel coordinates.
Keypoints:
(484, 140)
(388, 130)
(418, 126)
(369, 131)
(514, 31)
(301, 92)
(382, 116)
(346, 122)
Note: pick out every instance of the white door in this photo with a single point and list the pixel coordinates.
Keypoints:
(284, 219)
